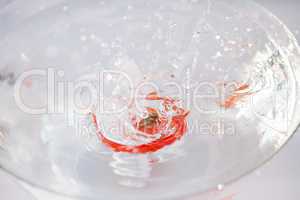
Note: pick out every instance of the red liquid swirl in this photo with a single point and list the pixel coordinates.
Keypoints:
(152, 125)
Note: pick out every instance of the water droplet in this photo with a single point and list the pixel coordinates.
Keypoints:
(24, 57)
(109, 77)
(220, 187)
(83, 38)
(129, 7)
(65, 8)
(173, 25)
(218, 55)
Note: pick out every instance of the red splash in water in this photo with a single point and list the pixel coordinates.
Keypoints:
(238, 94)
(155, 123)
